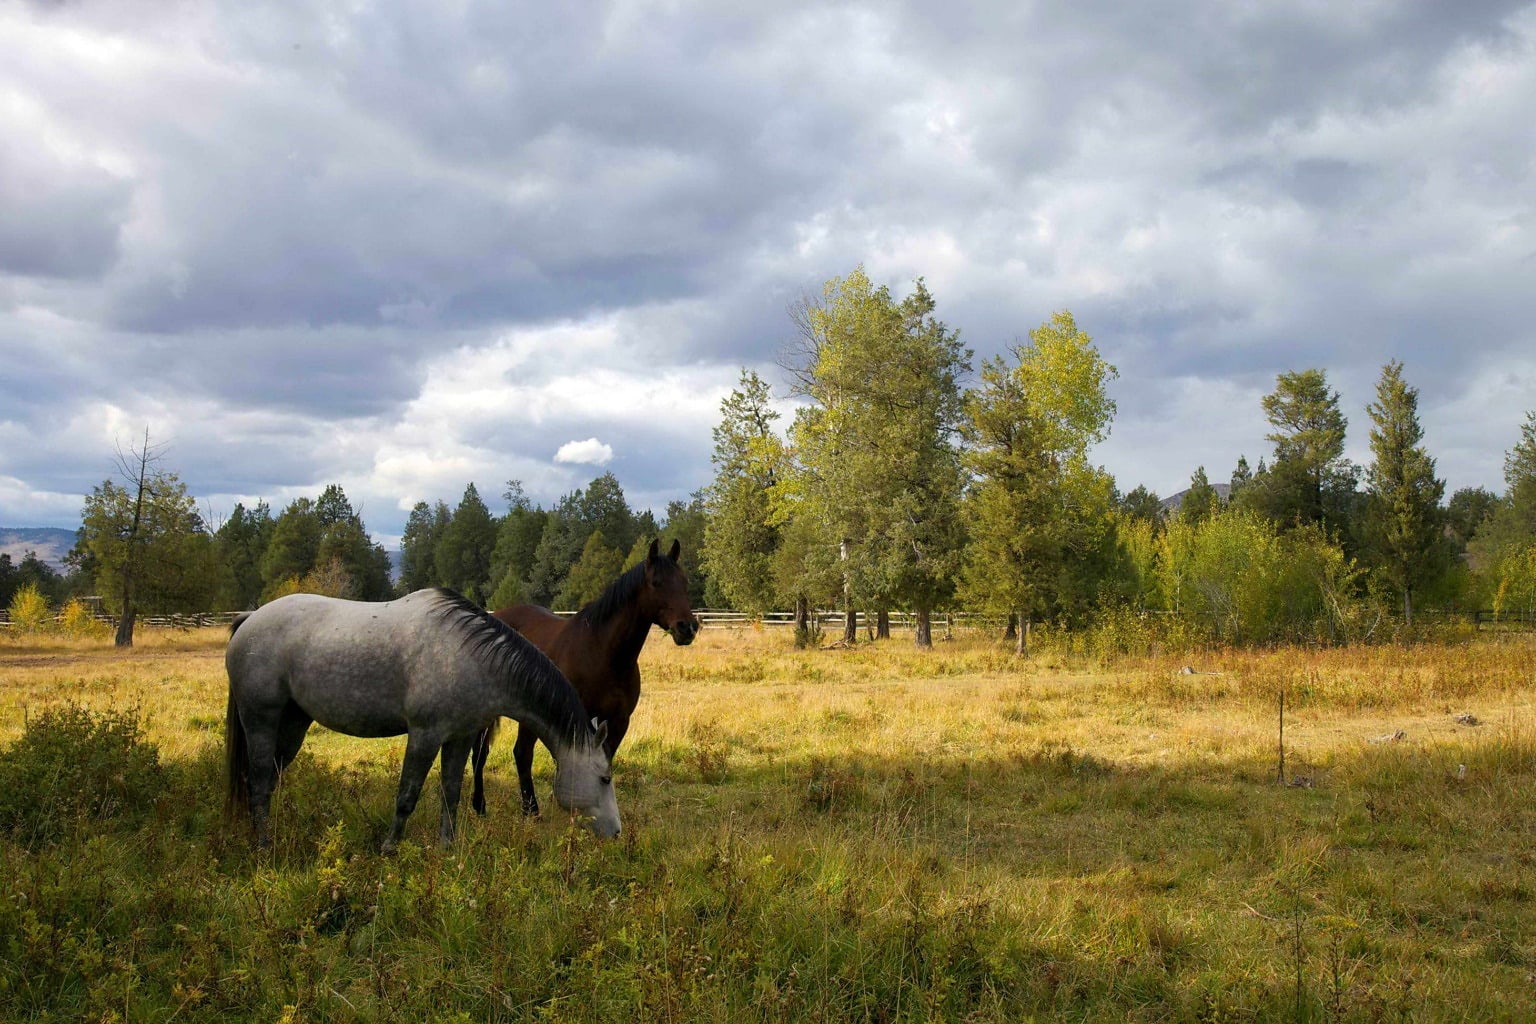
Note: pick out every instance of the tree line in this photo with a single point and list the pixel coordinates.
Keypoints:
(896, 486)
(904, 482)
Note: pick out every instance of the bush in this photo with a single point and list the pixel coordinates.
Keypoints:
(74, 764)
(29, 610)
(76, 620)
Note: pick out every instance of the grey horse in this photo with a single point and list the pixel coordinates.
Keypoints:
(430, 665)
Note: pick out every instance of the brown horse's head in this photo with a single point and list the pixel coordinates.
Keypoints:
(668, 594)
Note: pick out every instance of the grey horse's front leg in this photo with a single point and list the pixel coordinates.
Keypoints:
(451, 779)
(420, 751)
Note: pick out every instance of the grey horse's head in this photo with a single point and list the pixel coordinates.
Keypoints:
(584, 783)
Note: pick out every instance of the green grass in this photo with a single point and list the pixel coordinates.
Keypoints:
(876, 834)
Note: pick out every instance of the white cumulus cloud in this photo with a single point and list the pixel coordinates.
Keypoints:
(590, 452)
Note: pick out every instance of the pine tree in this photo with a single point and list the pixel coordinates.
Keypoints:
(1405, 521)
(462, 555)
(1201, 500)
(749, 460)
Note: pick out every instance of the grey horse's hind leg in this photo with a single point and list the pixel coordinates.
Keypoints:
(451, 777)
(522, 756)
(420, 751)
(261, 743)
(291, 730)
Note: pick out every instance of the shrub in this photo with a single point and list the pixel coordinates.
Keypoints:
(29, 610)
(73, 763)
(76, 620)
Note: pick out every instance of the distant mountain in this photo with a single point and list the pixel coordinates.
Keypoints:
(50, 544)
(1176, 502)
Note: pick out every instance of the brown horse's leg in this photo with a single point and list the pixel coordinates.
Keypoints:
(618, 725)
(480, 749)
(522, 756)
(451, 780)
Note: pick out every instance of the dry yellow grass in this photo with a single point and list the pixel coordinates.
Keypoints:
(1118, 829)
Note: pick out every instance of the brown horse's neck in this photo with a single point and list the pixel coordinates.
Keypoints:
(624, 633)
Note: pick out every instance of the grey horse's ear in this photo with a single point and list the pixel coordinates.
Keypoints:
(601, 728)
(677, 549)
(655, 549)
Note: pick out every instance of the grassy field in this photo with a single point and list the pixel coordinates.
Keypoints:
(875, 834)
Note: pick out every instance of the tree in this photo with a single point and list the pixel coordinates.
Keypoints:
(687, 523)
(1201, 500)
(1468, 509)
(462, 556)
(143, 543)
(1242, 476)
(1309, 480)
(1041, 516)
(597, 567)
(750, 460)
(879, 471)
(517, 541)
(1405, 524)
(1143, 505)
(1512, 526)
(293, 549)
(423, 529)
(239, 545)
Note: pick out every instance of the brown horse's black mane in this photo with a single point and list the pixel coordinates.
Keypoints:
(613, 600)
(507, 654)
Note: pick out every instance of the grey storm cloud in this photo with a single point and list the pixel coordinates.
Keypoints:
(276, 230)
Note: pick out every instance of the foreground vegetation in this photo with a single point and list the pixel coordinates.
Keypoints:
(872, 834)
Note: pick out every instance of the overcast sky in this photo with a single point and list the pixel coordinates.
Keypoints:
(405, 246)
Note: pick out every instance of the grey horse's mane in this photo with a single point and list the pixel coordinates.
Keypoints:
(507, 654)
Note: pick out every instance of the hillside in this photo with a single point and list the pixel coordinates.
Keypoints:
(50, 544)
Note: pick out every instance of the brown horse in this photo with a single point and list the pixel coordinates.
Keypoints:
(599, 652)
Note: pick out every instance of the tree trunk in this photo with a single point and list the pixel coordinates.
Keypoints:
(1011, 632)
(1022, 645)
(882, 625)
(802, 614)
(924, 637)
(124, 636)
(1407, 606)
(850, 626)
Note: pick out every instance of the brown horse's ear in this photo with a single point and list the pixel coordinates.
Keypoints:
(677, 549)
(655, 546)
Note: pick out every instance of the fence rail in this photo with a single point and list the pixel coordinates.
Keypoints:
(725, 618)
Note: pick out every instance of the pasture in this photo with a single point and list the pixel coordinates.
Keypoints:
(875, 834)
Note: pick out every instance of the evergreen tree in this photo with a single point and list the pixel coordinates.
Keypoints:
(687, 523)
(239, 545)
(517, 541)
(462, 556)
(418, 545)
(1143, 505)
(1309, 481)
(1468, 509)
(1405, 524)
(293, 549)
(749, 461)
(598, 566)
(1201, 500)
(1242, 476)
(880, 474)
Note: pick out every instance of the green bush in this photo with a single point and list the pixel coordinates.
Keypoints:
(29, 610)
(73, 764)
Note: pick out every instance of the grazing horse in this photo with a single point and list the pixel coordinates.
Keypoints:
(598, 650)
(432, 666)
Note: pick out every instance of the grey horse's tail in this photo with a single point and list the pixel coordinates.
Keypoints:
(236, 761)
(236, 756)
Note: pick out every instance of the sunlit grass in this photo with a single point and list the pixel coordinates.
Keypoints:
(879, 833)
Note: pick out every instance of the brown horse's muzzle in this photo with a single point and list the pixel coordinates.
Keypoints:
(684, 630)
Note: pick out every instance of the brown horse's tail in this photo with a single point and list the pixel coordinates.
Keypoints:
(236, 761)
